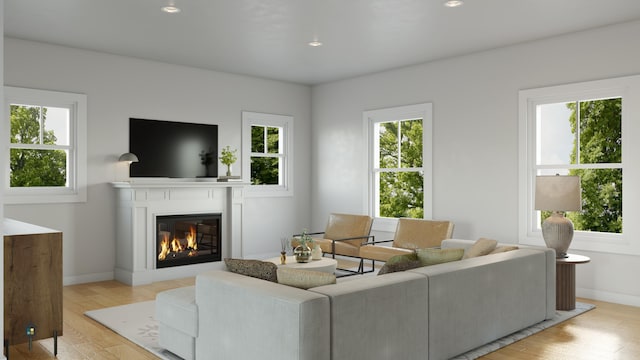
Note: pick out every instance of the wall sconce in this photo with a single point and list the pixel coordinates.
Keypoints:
(558, 193)
(128, 157)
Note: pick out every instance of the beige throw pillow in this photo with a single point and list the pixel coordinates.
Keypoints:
(482, 246)
(505, 248)
(304, 279)
(431, 256)
(400, 263)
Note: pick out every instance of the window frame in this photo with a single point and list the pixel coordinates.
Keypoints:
(627, 88)
(285, 122)
(422, 111)
(76, 190)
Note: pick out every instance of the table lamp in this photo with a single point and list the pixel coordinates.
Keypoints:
(558, 194)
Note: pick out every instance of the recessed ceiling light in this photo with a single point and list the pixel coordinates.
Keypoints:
(315, 43)
(170, 9)
(453, 3)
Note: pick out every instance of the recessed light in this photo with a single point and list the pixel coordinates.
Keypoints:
(453, 3)
(170, 9)
(315, 43)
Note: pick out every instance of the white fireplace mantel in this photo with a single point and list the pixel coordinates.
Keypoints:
(138, 203)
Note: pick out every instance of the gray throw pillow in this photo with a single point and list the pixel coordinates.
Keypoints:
(255, 268)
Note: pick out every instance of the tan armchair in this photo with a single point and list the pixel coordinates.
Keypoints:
(411, 234)
(344, 235)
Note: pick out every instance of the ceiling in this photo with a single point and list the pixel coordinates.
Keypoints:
(269, 38)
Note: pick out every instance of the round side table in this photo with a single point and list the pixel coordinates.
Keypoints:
(566, 280)
(327, 265)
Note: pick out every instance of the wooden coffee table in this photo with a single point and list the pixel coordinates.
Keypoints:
(566, 280)
(327, 265)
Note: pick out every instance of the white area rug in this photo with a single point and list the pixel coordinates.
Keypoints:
(137, 323)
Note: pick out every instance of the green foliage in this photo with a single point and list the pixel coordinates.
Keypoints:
(401, 192)
(600, 143)
(34, 167)
(264, 168)
(228, 156)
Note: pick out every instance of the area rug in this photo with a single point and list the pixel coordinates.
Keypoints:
(137, 323)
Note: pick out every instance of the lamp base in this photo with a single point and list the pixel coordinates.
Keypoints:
(557, 232)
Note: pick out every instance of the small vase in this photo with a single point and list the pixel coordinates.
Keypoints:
(302, 253)
(229, 170)
(283, 257)
(316, 253)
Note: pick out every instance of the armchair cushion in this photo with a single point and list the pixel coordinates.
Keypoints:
(343, 226)
(381, 252)
(420, 234)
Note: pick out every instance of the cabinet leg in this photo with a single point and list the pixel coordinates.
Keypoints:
(55, 343)
(6, 348)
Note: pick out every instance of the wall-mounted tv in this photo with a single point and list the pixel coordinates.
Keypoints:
(173, 149)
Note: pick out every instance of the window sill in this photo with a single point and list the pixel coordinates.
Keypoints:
(595, 242)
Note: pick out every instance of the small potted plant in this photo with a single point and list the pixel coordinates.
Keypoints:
(302, 252)
(228, 157)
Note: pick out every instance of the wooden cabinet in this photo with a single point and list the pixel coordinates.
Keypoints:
(32, 282)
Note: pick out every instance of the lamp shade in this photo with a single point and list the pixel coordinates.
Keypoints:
(128, 157)
(558, 193)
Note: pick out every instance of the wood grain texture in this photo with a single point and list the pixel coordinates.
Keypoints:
(32, 286)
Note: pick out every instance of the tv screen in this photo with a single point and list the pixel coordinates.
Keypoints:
(173, 149)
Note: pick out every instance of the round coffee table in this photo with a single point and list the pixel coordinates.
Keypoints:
(327, 265)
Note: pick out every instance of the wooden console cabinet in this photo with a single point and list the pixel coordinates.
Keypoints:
(32, 282)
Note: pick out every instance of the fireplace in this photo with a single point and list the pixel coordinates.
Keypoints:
(188, 239)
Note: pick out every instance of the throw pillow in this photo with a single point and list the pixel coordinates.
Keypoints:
(255, 268)
(304, 279)
(400, 263)
(482, 246)
(434, 256)
(505, 248)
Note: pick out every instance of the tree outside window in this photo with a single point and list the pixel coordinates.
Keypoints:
(266, 155)
(590, 131)
(38, 146)
(400, 175)
(400, 162)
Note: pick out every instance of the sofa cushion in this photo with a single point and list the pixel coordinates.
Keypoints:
(431, 256)
(400, 263)
(503, 248)
(482, 246)
(304, 279)
(255, 268)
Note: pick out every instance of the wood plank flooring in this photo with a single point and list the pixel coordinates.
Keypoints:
(610, 331)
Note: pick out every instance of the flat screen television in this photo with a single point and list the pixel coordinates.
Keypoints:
(173, 149)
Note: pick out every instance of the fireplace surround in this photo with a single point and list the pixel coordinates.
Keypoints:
(140, 204)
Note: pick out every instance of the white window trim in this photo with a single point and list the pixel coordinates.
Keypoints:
(261, 119)
(370, 117)
(77, 173)
(629, 89)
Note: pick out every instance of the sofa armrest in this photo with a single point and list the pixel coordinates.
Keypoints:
(281, 322)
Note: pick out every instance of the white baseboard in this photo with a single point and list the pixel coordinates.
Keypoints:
(615, 298)
(82, 279)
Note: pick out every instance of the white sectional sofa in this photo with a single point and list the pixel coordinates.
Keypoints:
(434, 312)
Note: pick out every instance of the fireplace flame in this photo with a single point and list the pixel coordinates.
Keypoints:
(178, 245)
(191, 239)
(164, 247)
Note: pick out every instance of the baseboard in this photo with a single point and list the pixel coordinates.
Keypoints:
(88, 278)
(615, 298)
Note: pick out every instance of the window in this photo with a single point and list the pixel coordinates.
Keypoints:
(400, 161)
(267, 152)
(580, 129)
(47, 145)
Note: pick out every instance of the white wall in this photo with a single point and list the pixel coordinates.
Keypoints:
(118, 88)
(475, 164)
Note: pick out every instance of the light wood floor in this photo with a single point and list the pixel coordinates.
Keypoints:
(610, 331)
